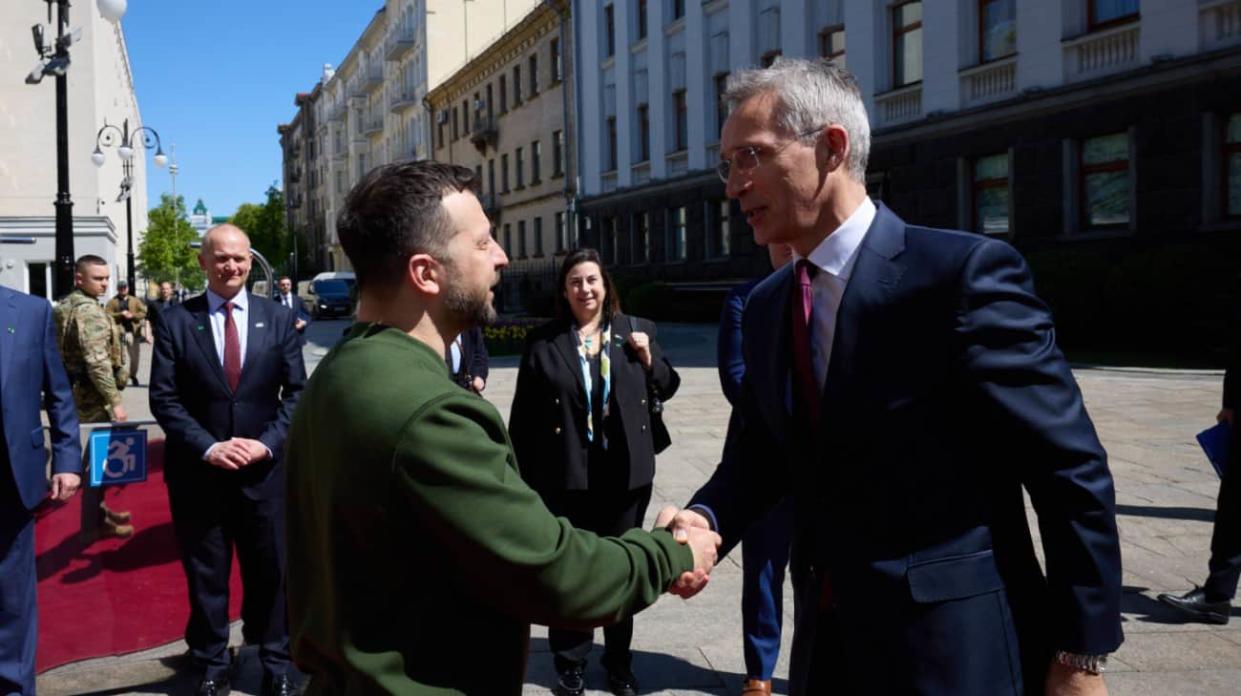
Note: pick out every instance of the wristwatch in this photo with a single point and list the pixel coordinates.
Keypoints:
(1095, 664)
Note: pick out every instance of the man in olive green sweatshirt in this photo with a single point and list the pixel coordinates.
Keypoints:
(417, 557)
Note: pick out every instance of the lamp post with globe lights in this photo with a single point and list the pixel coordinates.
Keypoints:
(54, 60)
(144, 137)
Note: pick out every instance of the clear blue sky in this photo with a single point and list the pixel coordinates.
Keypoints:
(217, 77)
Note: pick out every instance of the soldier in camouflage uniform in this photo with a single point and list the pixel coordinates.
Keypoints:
(129, 313)
(91, 347)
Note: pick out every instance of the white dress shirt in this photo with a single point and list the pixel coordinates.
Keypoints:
(835, 257)
(215, 311)
(287, 300)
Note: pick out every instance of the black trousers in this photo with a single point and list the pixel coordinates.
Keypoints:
(1226, 537)
(607, 513)
(209, 522)
(18, 614)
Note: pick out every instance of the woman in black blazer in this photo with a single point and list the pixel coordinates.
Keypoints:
(581, 428)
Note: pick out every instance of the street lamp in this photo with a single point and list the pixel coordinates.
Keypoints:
(147, 138)
(54, 60)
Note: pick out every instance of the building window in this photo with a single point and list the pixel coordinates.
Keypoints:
(1105, 182)
(769, 57)
(644, 133)
(516, 86)
(1232, 166)
(504, 94)
(906, 44)
(678, 9)
(560, 232)
(676, 234)
(521, 239)
(832, 45)
(611, 149)
(991, 194)
(491, 107)
(681, 119)
(36, 279)
(609, 31)
(439, 130)
(465, 116)
(519, 162)
(557, 154)
(642, 238)
(1106, 13)
(504, 173)
(721, 106)
(536, 162)
(557, 62)
(456, 133)
(719, 234)
(997, 29)
(641, 20)
(508, 240)
(538, 236)
(534, 74)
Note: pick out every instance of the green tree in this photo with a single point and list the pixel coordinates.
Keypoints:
(165, 253)
(266, 225)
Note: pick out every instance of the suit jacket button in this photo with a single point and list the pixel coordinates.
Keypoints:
(557, 429)
(557, 400)
(644, 428)
(642, 401)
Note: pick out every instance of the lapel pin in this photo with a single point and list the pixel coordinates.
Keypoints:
(258, 325)
(200, 327)
(12, 330)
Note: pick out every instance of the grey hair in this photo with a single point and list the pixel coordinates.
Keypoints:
(810, 94)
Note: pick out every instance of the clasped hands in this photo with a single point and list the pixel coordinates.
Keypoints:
(689, 527)
(236, 453)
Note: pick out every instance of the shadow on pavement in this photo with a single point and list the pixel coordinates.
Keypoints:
(1146, 609)
(1167, 513)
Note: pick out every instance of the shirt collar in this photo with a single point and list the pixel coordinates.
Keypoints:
(835, 254)
(240, 301)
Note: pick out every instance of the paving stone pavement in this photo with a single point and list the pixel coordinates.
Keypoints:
(1165, 497)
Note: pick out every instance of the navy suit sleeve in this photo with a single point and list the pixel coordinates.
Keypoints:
(293, 380)
(62, 414)
(165, 403)
(729, 361)
(479, 358)
(1009, 359)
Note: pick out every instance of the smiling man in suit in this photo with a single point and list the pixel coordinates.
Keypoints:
(31, 375)
(225, 376)
(903, 384)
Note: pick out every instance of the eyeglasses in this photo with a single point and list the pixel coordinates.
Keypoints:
(746, 159)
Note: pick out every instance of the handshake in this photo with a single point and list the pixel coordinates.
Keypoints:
(689, 527)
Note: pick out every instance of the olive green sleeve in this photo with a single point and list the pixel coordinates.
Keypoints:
(94, 331)
(138, 308)
(453, 464)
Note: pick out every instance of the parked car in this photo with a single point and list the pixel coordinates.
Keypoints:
(332, 296)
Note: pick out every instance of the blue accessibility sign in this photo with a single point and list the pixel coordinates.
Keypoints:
(117, 455)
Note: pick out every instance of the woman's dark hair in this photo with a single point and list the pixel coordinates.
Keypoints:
(611, 303)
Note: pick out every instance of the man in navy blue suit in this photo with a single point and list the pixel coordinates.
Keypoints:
(226, 374)
(31, 374)
(903, 384)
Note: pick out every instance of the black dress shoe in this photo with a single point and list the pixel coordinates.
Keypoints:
(277, 686)
(572, 683)
(212, 687)
(622, 682)
(1196, 605)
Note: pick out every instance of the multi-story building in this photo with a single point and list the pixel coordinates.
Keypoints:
(1102, 137)
(508, 116)
(100, 89)
(370, 110)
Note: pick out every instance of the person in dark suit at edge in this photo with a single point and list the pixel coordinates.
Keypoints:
(225, 377)
(31, 377)
(903, 384)
(468, 360)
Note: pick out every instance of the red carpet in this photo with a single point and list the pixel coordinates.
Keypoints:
(114, 596)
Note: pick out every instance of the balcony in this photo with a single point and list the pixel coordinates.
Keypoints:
(401, 99)
(1102, 52)
(899, 105)
(372, 77)
(640, 173)
(486, 132)
(373, 124)
(337, 112)
(678, 163)
(1219, 24)
(398, 42)
(989, 82)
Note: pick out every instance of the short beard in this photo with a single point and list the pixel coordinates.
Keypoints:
(472, 310)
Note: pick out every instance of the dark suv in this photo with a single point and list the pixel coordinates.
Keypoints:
(333, 298)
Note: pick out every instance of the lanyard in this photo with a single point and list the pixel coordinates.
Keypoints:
(605, 371)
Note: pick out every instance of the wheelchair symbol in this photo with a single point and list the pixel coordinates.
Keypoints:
(120, 460)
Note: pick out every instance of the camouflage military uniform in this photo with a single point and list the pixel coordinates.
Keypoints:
(91, 347)
(131, 328)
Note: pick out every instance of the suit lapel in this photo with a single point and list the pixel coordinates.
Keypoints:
(766, 325)
(8, 335)
(566, 347)
(876, 275)
(202, 334)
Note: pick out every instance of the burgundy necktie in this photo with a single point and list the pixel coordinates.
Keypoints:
(806, 387)
(232, 349)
